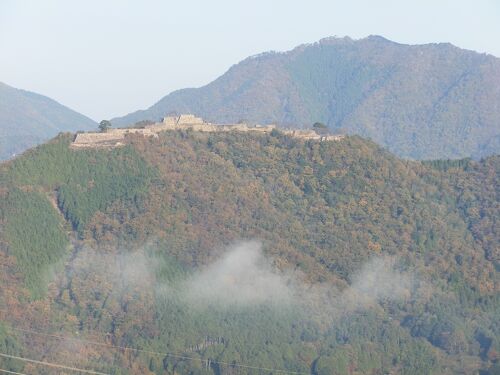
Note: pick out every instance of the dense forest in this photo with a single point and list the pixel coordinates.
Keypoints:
(240, 253)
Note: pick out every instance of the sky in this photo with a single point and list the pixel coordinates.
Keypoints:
(106, 58)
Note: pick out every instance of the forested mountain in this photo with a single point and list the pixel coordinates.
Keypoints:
(28, 119)
(241, 253)
(419, 101)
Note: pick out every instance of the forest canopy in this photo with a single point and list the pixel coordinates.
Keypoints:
(129, 245)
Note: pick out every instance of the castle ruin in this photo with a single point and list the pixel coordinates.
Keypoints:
(116, 137)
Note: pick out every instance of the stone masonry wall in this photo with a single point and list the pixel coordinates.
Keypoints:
(116, 137)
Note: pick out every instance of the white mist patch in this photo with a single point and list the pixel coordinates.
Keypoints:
(377, 281)
(118, 270)
(243, 276)
(380, 280)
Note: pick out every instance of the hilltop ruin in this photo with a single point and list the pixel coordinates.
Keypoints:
(116, 137)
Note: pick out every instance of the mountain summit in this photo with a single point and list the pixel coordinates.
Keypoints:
(420, 101)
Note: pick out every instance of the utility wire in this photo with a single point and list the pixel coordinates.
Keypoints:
(162, 354)
(50, 364)
(11, 372)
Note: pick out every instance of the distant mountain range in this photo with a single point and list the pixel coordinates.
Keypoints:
(27, 119)
(419, 101)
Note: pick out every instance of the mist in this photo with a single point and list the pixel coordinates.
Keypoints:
(245, 276)
(242, 276)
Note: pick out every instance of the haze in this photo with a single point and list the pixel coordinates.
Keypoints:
(106, 59)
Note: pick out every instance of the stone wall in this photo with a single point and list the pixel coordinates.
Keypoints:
(189, 119)
(111, 138)
(311, 134)
(116, 137)
(185, 122)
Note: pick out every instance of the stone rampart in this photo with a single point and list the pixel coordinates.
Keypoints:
(116, 137)
(110, 138)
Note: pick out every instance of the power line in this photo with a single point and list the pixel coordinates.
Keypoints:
(50, 364)
(155, 353)
(162, 354)
(11, 372)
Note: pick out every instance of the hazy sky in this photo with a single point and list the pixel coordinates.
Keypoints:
(107, 58)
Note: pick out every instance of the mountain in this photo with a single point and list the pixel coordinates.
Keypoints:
(28, 119)
(430, 101)
(248, 253)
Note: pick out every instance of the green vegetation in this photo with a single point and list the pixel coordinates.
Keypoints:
(431, 101)
(34, 234)
(149, 215)
(104, 125)
(320, 128)
(9, 346)
(82, 183)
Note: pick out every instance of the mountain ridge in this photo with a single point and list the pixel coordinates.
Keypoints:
(428, 101)
(28, 119)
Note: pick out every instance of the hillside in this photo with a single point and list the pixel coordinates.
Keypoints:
(419, 101)
(28, 119)
(248, 253)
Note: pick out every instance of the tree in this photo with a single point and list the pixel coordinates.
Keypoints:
(143, 123)
(320, 128)
(104, 125)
